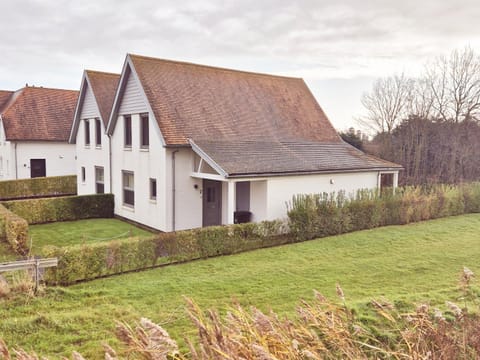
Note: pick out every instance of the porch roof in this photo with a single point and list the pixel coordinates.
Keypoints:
(264, 158)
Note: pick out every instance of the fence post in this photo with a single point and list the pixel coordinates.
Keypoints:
(37, 274)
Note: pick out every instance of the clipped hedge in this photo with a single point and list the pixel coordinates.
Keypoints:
(14, 230)
(38, 187)
(90, 261)
(39, 211)
(318, 215)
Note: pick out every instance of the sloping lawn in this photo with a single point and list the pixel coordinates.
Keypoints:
(68, 233)
(416, 262)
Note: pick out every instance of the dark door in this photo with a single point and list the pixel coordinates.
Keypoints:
(37, 168)
(212, 202)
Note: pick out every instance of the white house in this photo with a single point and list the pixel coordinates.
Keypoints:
(34, 127)
(195, 145)
(92, 144)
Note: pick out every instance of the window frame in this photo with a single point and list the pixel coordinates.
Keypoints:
(126, 189)
(99, 182)
(98, 133)
(87, 138)
(127, 131)
(144, 131)
(153, 189)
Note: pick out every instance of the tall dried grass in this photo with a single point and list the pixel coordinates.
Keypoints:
(321, 329)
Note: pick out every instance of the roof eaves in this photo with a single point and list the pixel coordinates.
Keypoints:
(312, 172)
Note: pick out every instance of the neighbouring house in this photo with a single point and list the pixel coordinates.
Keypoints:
(35, 124)
(195, 145)
(97, 92)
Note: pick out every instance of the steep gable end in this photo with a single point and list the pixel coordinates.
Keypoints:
(89, 107)
(132, 100)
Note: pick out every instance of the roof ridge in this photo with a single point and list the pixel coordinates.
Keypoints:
(101, 72)
(214, 67)
(45, 88)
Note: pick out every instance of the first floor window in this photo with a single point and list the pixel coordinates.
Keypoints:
(144, 132)
(83, 174)
(127, 125)
(128, 188)
(99, 180)
(153, 189)
(87, 132)
(98, 133)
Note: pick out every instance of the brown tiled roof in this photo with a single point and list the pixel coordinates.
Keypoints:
(35, 113)
(202, 102)
(253, 158)
(104, 86)
(4, 97)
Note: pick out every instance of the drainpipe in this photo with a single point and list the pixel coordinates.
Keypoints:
(16, 167)
(110, 161)
(173, 189)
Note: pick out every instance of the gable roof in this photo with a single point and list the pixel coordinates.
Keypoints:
(197, 101)
(103, 86)
(242, 123)
(37, 113)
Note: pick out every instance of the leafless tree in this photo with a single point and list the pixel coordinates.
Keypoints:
(387, 103)
(455, 86)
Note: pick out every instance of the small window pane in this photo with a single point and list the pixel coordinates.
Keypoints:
(83, 174)
(153, 189)
(144, 132)
(128, 130)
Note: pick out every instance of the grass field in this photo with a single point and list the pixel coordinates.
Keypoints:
(68, 233)
(402, 263)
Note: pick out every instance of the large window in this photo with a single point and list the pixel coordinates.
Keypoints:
(144, 133)
(99, 180)
(87, 132)
(98, 133)
(128, 188)
(127, 130)
(153, 189)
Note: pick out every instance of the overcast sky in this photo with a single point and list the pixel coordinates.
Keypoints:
(338, 47)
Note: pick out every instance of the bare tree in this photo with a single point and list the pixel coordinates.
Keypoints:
(387, 103)
(455, 86)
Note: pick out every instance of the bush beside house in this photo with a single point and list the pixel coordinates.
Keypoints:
(38, 187)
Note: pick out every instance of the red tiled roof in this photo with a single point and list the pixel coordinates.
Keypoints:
(35, 113)
(104, 86)
(203, 102)
(4, 97)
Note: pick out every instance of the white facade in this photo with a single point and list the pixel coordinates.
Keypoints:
(16, 156)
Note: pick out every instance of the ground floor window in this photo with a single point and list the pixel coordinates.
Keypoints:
(99, 180)
(386, 182)
(128, 188)
(153, 189)
(83, 174)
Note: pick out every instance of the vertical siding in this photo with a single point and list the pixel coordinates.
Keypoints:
(133, 101)
(89, 106)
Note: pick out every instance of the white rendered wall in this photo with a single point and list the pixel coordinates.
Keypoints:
(188, 191)
(90, 156)
(59, 157)
(6, 163)
(281, 189)
(145, 164)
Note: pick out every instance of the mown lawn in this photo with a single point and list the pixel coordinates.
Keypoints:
(413, 263)
(68, 233)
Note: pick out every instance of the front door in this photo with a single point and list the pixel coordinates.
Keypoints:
(37, 168)
(212, 202)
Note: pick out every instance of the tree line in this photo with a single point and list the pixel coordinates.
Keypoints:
(429, 124)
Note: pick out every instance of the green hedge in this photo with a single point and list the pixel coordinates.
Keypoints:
(318, 215)
(14, 230)
(38, 187)
(86, 262)
(39, 211)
